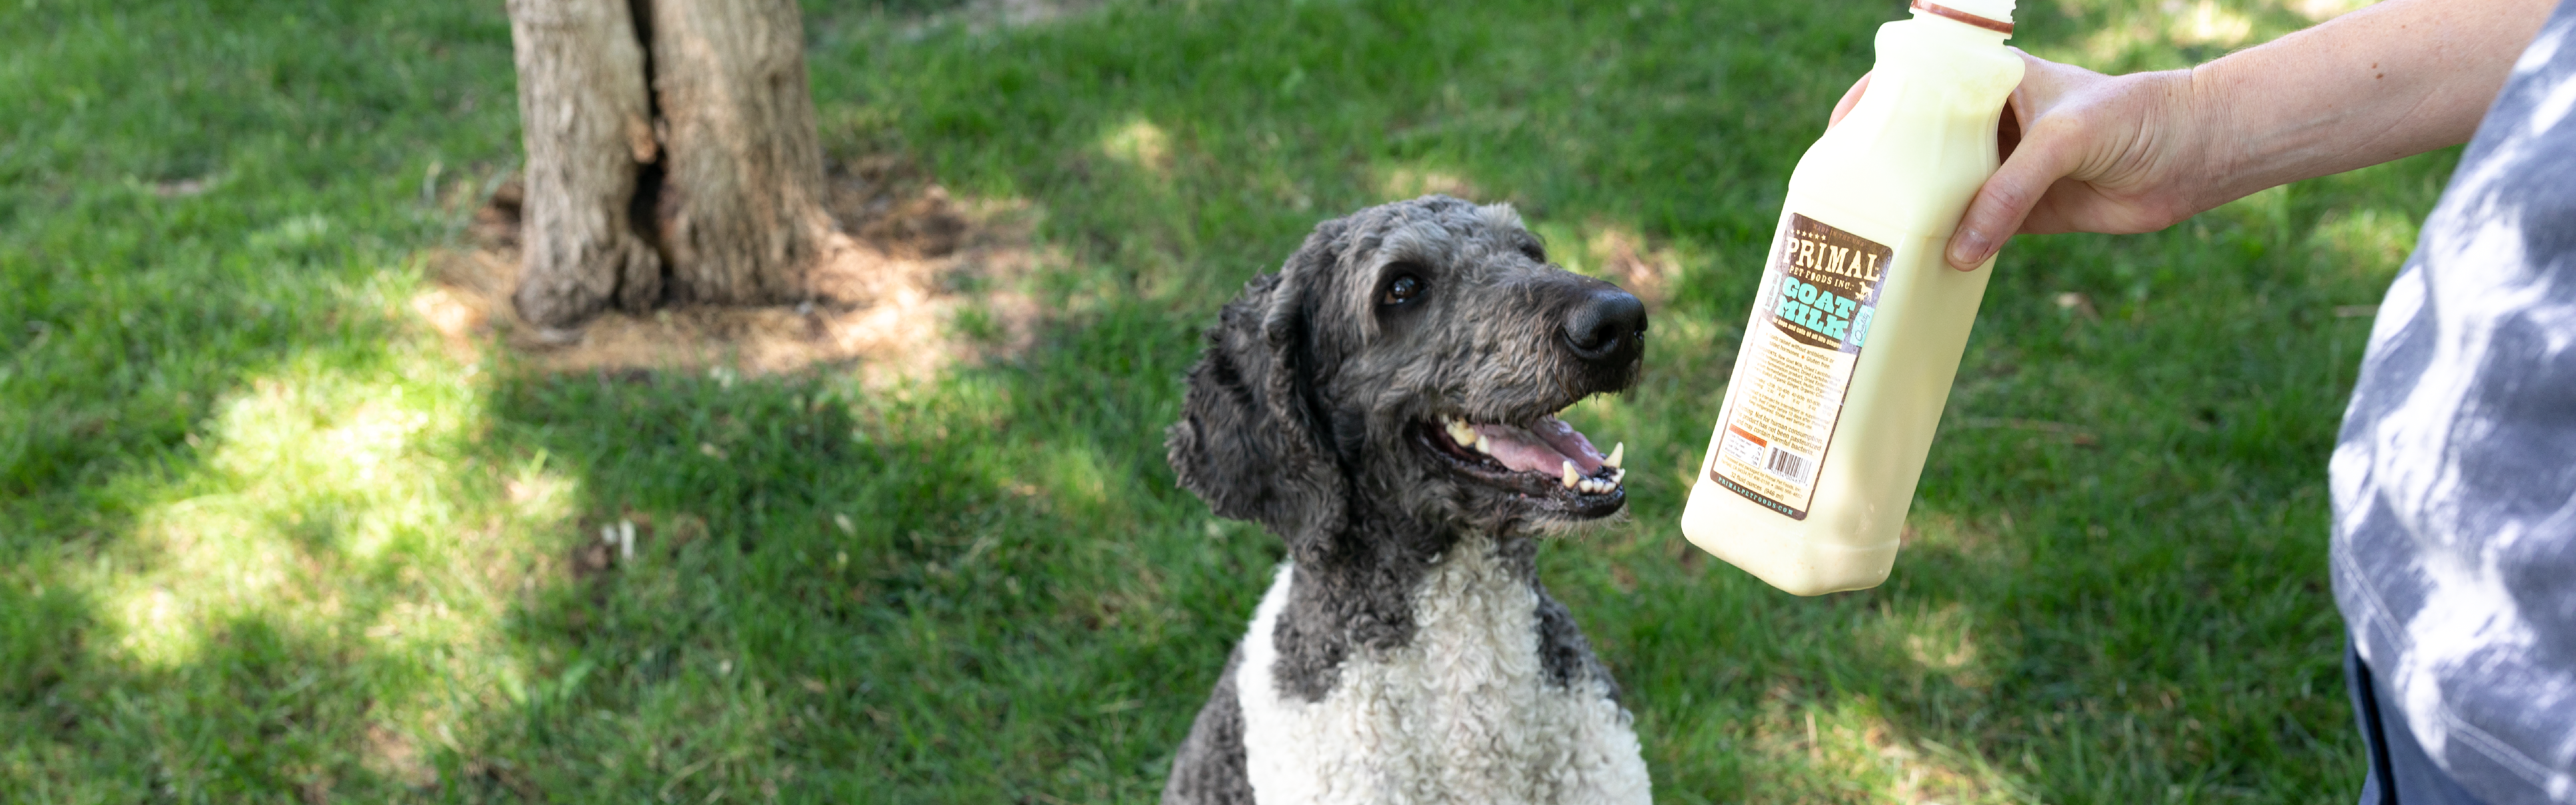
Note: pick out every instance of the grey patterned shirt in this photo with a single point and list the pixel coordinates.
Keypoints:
(2455, 477)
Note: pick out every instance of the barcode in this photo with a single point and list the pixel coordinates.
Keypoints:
(1787, 465)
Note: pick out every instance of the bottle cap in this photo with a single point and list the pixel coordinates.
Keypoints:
(1992, 15)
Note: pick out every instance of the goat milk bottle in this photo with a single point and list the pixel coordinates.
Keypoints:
(1859, 324)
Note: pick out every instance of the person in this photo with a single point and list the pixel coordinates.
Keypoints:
(2453, 547)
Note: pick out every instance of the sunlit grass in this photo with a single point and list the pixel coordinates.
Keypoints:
(2372, 243)
(1142, 145)
(338, 521)
(2123, 35)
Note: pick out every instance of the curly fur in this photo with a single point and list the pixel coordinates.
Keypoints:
(1406, 651)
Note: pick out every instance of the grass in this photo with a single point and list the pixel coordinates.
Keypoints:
(262, 538)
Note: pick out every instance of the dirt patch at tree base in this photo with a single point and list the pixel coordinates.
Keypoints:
(914, 281)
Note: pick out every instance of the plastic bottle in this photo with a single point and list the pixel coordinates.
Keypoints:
(1859, 324)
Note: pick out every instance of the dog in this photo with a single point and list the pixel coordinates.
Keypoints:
(1385, 404)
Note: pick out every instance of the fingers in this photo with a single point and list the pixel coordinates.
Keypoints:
(2041, 151)
(2042, 154)
(2008, 196)
(1851, 98)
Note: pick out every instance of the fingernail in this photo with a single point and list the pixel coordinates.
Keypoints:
(1969, 249)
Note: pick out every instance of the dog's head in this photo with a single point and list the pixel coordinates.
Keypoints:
(1411, 358)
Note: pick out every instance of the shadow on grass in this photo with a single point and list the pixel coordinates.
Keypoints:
(973, 590)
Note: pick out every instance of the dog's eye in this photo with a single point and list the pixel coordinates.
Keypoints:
(1534, 252)
(1404, 289)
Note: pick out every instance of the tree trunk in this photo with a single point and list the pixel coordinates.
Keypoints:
(741, 213)
(589, 129)
(707, 190)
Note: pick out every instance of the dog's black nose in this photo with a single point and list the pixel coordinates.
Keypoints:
(1607, 326)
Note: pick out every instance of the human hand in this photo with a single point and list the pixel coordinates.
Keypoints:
(2084, 152)
(2136, 153)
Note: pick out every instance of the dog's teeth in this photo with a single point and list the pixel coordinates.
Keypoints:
(1462, 432)
(1618, 476)
(1484, 445)
(1615, 453)
(1571, 476)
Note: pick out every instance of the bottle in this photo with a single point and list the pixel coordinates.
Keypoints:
(1859, 324)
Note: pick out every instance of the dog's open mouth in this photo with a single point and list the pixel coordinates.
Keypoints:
(1548, 461)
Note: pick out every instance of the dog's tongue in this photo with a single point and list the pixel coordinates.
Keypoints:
(1544, 450)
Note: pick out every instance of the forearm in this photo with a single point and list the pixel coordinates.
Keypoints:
(2393, 80)
(2137, 153)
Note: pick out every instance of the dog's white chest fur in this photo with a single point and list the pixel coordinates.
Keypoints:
(1463, 714)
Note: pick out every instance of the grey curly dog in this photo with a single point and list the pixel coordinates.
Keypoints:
(1386, 404)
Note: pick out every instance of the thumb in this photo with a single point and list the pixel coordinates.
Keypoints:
(2008, 197)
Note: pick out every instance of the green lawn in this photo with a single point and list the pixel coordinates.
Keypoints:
(263, 539)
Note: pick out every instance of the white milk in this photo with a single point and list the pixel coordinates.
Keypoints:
(1859, 324)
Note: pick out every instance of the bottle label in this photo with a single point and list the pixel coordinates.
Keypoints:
(1809, 323)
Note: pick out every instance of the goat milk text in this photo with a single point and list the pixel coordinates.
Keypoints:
(1808, 328)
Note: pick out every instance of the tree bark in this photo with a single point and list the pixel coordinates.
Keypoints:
(694, 176)
(589, 130)
(741, 212)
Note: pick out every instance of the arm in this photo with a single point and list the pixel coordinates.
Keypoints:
(2137, 153)
(2386, 82)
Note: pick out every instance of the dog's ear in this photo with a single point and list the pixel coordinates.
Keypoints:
(1252, 441)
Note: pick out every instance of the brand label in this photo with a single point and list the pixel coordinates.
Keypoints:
(1809, 324)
